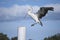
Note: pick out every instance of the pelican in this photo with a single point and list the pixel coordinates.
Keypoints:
(39, 14)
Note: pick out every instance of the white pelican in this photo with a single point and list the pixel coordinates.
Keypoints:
(38, 15)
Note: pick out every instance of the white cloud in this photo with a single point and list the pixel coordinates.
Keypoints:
(14, 10)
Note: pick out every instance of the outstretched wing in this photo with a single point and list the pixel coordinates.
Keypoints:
(43, 11)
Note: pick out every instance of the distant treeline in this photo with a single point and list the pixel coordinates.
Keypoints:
(54, 37)
(5, 37)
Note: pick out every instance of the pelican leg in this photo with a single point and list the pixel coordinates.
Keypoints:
(41, 23)
(33, 24)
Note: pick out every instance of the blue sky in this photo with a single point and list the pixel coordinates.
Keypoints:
(12, 13)
(7, 3)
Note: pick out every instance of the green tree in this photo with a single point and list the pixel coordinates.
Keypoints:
(3, 37)
(14, 38)
(55, 37)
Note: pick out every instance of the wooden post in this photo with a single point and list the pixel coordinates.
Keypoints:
(21, 33)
